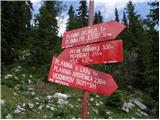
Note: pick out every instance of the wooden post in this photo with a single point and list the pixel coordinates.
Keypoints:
(84, 112)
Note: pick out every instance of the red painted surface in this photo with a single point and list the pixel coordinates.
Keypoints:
(98, 53)
(78, 76)
(93, 33)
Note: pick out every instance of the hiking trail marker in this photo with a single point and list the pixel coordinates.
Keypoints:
(98, 53)
(78, 76)
(67, 69)
(93, 33)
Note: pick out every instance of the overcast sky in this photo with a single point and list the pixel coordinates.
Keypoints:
(107, 8)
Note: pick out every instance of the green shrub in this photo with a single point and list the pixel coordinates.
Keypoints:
(115, 99)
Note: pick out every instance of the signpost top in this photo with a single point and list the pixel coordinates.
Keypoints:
(93, 33)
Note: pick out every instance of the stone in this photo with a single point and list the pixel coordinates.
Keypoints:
(60, 95)
(2, 102)
(140, 105)
(9, 116)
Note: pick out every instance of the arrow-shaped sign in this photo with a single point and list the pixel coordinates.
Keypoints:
(98, 53)
(78, 76)
(94, 33)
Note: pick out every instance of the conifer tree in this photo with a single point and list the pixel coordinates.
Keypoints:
(16, 18)
(154, 12)
(83, 13)
(98, 18)
(116, 15)
(45, 34)
(71, 23)
(124, 20)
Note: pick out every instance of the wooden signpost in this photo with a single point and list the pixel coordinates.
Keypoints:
(67, 69)
(93, 33)
(98, 53)
(78, 76)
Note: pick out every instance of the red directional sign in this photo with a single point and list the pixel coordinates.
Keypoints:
(105, 52)
(78, 76)
(94, 33)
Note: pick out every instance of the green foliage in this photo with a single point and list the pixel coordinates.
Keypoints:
(45, 34)
(98, 18)
(82, 14)
(116, 15)
(16, 18)
(71, 23)
(115, 99)
(154, 12)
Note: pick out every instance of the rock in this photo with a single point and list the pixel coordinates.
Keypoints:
(97, 104)
(71, 105)
(36, 98)
(125, 109)
(16, 78)
(60, 95)
(143, 113)
(133, 118)
(20, 108)
(30, 76)
(17, 87)
(30, 105)
(62, 102)
(24, 104)
(17, 111)
(23, 75)
(30, 88)
(49, 97)
(139, 114)
(51, 108)
(16, 70)
(96, 111)
(30, 82)
(108, 112)
(32, 93)
(37, 103)
(2, 102)
(101, 103)
(7, 76)
(19, 67)
(40, 107)
(110, 117)
(140, 105)
(127, 106)
(91, 99)
(9, 116)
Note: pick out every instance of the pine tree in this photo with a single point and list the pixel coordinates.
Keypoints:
(134, 42)
(151, 55)
(154, 12)
(98, 18)
(15, 23)
(45, 36)
(116, 15)
(95, 18)
(71, 23)
(124, 20)
(83, 13)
